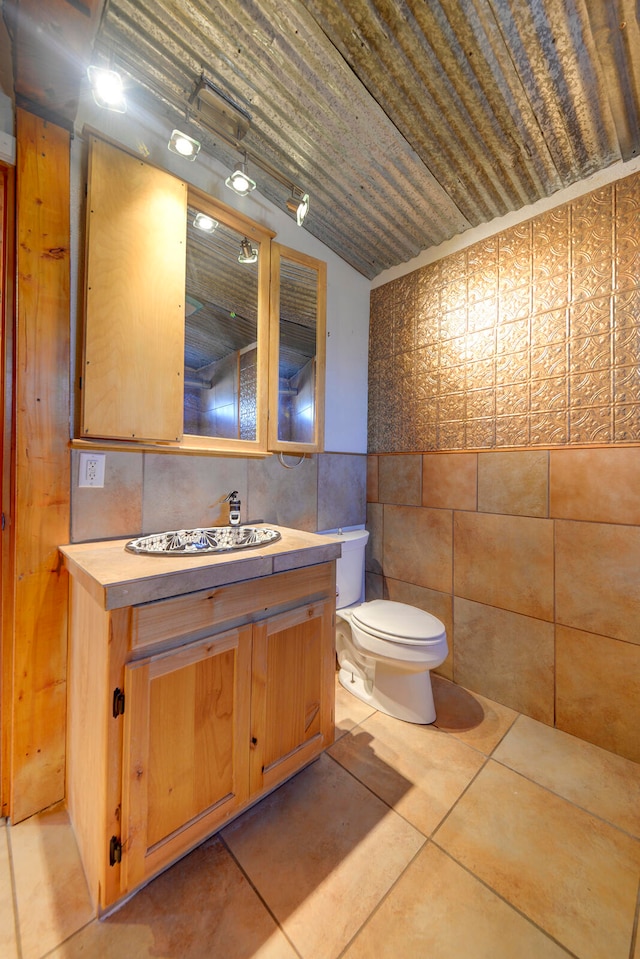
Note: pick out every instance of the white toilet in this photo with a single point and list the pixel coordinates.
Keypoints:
(385, 649)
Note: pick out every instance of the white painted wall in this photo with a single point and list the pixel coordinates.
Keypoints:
(347, 290)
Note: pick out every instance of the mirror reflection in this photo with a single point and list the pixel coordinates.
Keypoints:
(221, 330)
(297, 352)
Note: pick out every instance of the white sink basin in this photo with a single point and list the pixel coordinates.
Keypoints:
(214, 539)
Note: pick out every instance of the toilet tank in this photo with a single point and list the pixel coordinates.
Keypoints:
(350, 566)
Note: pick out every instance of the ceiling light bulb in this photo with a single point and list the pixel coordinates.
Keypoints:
(205, 223)
(185, 146)
(239, 181)
(248, 253)
(106, 87)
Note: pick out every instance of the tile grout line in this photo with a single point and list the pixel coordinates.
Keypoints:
(246, 875)
(431, 839)
(428, 839)
(576, 805)
(384, 898)
(510, 905)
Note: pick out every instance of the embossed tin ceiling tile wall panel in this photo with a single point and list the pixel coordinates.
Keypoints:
(558, 359)
(407, 122)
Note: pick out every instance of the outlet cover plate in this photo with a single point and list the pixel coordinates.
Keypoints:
(91, 471)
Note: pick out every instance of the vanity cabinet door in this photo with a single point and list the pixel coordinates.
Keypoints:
(292, 696)
(133, 376)
(186, 757)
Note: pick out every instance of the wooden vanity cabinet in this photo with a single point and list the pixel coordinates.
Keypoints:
(185, 756)
(291, 692)
(213, 698)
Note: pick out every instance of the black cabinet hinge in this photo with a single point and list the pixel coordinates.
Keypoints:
(115, 851)
(118, 702)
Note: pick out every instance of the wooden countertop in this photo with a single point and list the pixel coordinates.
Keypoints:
(116, 577)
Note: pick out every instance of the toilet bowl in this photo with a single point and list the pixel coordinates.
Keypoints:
(385, 649)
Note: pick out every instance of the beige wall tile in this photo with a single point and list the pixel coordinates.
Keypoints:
(598, 690)
(341, 489)
(597, 580)
(599, 485)
(400, 479)
(188, 491)
(506, 657)
(418, 546)
(449, 480)
(505, 561)
(372, 479)
(514, 482)
(374, 586)
(288, 497)
(438, 604)
(373, 550)
(114, 510)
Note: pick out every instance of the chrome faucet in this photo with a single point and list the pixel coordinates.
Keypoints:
(234, 507)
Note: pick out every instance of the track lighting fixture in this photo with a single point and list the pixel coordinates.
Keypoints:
(298, 204)
(107, 90)
(185, 146)
(205, 223)
(248, 254)
(239, 181)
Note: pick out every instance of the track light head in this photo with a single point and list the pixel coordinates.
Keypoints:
(239, 181)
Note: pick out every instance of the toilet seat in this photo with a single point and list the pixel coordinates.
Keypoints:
(398, 623)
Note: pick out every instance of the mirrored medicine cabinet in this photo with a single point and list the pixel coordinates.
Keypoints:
(201, 332)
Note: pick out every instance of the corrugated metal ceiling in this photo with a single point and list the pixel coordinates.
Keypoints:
(407, 122)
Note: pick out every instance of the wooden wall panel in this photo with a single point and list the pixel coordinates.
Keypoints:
(7, 269)
(42, 465)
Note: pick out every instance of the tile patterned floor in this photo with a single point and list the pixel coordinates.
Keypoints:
(485, 836)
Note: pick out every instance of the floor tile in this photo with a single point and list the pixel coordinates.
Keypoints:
(601, 782)
(418, 770)
(51, 890)
(438, 909)
(477, 721)
(201, 907)
(8, 941)
(307, 847)
(349, 710)
(574, 875)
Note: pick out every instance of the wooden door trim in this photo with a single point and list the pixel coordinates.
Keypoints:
(7, 335)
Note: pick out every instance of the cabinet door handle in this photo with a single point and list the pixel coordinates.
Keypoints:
(254, 741)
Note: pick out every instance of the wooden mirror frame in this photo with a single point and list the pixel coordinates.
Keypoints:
(253, 231)
(279, 253)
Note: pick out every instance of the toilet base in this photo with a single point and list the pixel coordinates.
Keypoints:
(398, 693)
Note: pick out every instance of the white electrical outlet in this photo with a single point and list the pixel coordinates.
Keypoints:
(91, 472)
